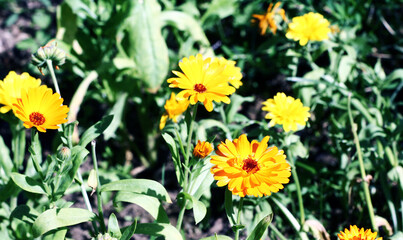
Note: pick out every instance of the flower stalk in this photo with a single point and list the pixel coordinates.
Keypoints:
(99, 197)
(238, 219)
(298, 186)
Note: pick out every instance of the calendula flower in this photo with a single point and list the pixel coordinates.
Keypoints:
(11, 86)
(203, 81)
(357, 234)
(268, 19)
(231, 71)
(41, 108)
(202, 149)
(309, 27)
(250, 168)
(174, 109)
(286, 111)
(49, 52)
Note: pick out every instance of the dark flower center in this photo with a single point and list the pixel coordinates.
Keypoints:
(250, 165)
(200, 88)
(37, 118)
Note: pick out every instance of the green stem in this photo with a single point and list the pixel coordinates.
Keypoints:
(238, 219)
(180, 217)
(365, 184)
(18, 145)
(83, 191)
(99, 197)
(298, 186)
(277, 232)
(52, 73)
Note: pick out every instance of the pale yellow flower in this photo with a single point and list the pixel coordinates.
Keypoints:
(357, 234)
(11, 86)
(268, 20)
(286, 111)
(173, 109)
(231, 71)
(309, 27)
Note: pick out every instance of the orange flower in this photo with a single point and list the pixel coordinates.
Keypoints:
(267, 20)
(250, 168)
(357, 234)
(202, 149)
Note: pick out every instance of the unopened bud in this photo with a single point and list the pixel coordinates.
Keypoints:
(92, 181)
(48, 52)
(106, 236)
(64, 154)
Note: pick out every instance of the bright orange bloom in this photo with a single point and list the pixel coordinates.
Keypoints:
(268, 19)
(250, 168)
(41, 108)
(357, 234)
(202, 149)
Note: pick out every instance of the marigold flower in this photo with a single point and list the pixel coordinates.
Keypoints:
(268, 19)
(41, 108)
(48, 52)
(174, 109)
(250, 168)
(309, 27)
(231, 71)
(11, 86)
(203, 81)
(202, 149)
(286, 111)
(357, 234)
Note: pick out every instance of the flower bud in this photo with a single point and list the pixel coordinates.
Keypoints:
(106, 236)
(202, 149)
(64, 154)
(48, 52)
(93, 181)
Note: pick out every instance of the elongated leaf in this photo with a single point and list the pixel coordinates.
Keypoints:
(117, 113)
(143, 186)
(150, 204)
(260, 228)
(57, 218)
(27, 183)
(199, 209)
(229, 208)
(5, 161)
(158, 229)
(129, 231)
(95, 130)
(113, 226)
(8, 190)
(288, 214)
(59, 234)
(217, 237)
(144, 43)
(175, 156)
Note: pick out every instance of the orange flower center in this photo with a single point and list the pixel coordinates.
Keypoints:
(37, 118)
(200, 88)
(250, 165)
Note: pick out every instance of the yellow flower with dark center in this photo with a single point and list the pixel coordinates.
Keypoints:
(268, 19)
(174, 109)
(202, 149)
(234, 73)
(11, 86)
(286, 111)
(41, 108)
(357, 234)
(203, 81)
(309, 27)
(250, 168)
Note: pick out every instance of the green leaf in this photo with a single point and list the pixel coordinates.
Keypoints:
(210, 123)
(220, 8)
(144, 43)
(143, 186)
(117, 113)
(5, 161)
(150, 204)
(217, 237)
(113, 226)
(129, 231)
(95, 130)
(8, 190)
(199, 209)
(236, 102)
(57, 218)
(260, 228)
(158, 229)
(175, 156)
(66, 23)
(21, 220)
(229, 208)
(27, 183)
(59, 234)
(288, 214)
(78, 153)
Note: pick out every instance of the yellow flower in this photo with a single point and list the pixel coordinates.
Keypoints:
(11, 86)
(174, 109)
(287, 111)
(357, 234)
(203, 81)
(309, 27)
(250, 168)
(202, 149)
(233, 73)
(41, 108)
(267, 20)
